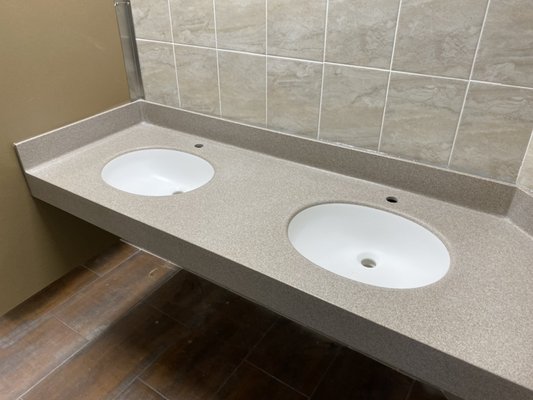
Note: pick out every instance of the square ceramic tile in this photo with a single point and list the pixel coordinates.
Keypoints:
(352, 105)
(525, 178)
(243, 87)
(494, 131)
(361, 32)
(151, 19)
(294, 96)
(241, 25)
(421, 117)
(198, 79)
(506, 48)
(193, 22)
(296, 28)
(158, 72)
(438, 37)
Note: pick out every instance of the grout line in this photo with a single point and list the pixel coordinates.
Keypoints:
(276, 379)
(118, 264)
(341, 64)
(390, 75)
(469, 83)
(410, 390)
(174, 53)
(323, 71)
(326, 372)
(528, 148)
(153, 388)
(218, 63)
(266, 63)
(252, 349)
(66, 360)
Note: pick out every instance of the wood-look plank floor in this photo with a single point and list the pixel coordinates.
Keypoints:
(129, 326)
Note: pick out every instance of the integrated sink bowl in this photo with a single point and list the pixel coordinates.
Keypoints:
(157, 172)
(369, 245)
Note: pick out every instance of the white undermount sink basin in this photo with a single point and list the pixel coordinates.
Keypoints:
(369, 245)
(157, 172)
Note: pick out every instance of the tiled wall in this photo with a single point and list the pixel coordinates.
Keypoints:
(447, 83)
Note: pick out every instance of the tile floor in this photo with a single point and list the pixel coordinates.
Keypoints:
(127, 325)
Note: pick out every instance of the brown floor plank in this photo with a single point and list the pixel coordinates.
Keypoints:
(421, 391)
(34, 355)
(17, 322)
(199, 304)
(294, 355)
(111, 258)
(108, 365)
(195, 367)
(139, 391)
(250, 383)
(354, 376)
(110, 297)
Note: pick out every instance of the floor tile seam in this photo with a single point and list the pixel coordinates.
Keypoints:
(101, 275)
(276, 379)
(152, 388)
(326, 370)
(126, 313)
(64, 362)
(250, 351)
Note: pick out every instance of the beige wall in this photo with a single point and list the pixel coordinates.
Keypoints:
(60, 61)
(366, 78)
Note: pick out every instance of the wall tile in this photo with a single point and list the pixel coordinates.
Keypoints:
(505, 52)
(361, 32)
(243, 87)
(151, 19)
(494, 132)
(193, 22)
(526, 173)
(438, 37)
(198, 79)
(294, 96)
(352, 105)
(241, 25)
(158, 72)
(296, 28)
(421, 117)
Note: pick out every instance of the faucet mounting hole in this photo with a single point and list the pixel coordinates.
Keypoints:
(199, 145)
(368, 263)
(392, 199)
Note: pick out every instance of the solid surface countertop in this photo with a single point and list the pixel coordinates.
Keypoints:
(479, 315)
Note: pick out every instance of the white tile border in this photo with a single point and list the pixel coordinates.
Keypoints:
(323, 70)
(173, 52)
(218, 63)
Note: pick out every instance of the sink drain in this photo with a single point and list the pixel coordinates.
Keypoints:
(368, 263)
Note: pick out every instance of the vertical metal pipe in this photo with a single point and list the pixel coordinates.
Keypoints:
(129, 49)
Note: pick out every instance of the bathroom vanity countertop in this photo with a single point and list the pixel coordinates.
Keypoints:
(470, 333)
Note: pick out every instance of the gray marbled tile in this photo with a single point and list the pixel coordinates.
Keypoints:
(438, 37)
(361, 32)
(158, 72)
(151, 19)
(241, 25)
(494, 131)
(294, 96)
(296, 28)
(198, 79)
(506, 48)
(525, 179)
(421, 117)
(193, 22)
(352, 105)
(243, 87)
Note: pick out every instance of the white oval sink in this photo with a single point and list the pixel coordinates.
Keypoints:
(369, 245)
(157, 172)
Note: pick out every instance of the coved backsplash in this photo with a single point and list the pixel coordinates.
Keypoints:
(447, 83)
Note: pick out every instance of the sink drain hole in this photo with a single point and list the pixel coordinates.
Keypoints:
(368, 263)
(392, 199)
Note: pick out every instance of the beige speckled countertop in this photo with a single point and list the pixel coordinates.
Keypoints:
(470, 333)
